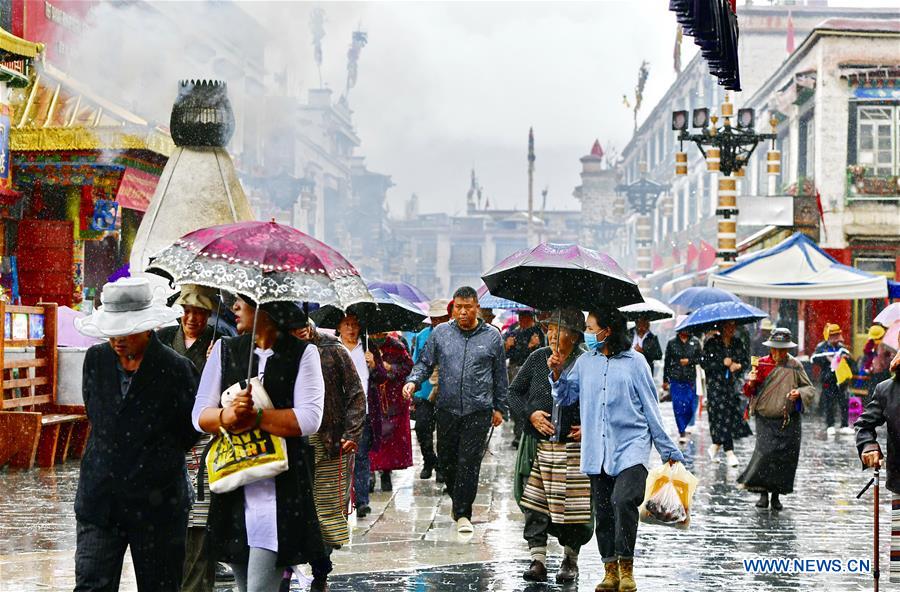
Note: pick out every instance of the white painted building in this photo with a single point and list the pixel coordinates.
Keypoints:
(762, 46)
(837, 102)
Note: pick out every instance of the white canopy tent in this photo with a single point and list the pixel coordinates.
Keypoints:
(797, 269)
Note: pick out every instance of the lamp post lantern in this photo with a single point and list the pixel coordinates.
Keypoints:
(642, 196)
(727, 150)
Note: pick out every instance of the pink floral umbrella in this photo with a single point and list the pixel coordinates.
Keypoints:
(266, 261)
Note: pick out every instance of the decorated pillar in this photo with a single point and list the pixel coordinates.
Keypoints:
(643, 241)
(773, 161)
(726, 204)
(727, 212)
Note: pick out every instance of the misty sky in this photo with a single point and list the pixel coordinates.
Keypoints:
(443, 86)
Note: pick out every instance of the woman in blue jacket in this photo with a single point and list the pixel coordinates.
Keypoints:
(619, 420)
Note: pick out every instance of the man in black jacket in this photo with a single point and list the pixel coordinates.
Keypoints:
(884, 408)
(132, 490)
(680, 378)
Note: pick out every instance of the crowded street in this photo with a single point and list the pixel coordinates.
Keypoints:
(409, 541)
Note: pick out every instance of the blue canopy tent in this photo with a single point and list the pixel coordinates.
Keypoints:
(797, 269)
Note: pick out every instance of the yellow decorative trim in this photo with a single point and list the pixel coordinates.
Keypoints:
(19, 46)
(80, 138)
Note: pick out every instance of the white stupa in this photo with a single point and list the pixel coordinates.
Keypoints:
(199, 186)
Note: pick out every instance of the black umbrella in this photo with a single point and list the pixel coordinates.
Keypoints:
(555, 275)
(389, 312)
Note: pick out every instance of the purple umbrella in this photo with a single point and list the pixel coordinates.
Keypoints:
(403, 290)
(554, 275)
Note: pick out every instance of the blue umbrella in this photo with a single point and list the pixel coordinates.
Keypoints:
(717, 313)
(488, 300)
(694, 298)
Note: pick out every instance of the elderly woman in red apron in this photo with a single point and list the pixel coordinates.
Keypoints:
(393, 449)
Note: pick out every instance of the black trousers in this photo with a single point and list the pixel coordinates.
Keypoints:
(199, 568)
(323, 566)
(835, 396)
(157, 551)
(538, 527)
(460, 448)
(425, 431)
(616, 501)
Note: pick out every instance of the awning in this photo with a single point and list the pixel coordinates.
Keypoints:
(64, 114)
(136, 189)
(10, 44)
(797, 269)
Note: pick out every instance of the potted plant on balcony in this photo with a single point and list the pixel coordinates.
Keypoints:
(861, 182)
(805, 186)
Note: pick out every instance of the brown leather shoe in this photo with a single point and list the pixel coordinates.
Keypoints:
(611, 582)
(626, 576)
(536, 572)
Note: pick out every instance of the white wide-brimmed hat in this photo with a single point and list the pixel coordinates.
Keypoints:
(438, 307)
(127, 307)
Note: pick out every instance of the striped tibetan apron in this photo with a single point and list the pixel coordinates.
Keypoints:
(556, 485)
(331, 492)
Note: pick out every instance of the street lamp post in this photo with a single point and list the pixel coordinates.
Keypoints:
(727, 150)
(606, 231)
(642, 196)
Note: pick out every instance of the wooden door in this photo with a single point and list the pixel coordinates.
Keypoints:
(44, 251)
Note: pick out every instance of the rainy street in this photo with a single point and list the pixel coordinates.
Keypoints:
(409, 542)
(367, 295)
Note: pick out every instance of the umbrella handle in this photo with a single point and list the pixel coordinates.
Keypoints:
(252, 343)
(218, 316)
(558, 327)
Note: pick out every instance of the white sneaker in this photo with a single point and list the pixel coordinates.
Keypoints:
(732, 459)
(682, 439)
(830, 431)
(713, 451)
(847, 430)
(464, 526)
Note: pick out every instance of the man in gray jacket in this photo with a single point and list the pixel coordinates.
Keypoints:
(472, 385)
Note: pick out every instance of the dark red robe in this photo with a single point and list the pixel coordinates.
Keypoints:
(394, 450)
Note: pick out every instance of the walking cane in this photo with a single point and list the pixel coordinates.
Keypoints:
(487, 443)
(875, 550)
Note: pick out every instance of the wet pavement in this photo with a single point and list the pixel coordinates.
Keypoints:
(410, 543)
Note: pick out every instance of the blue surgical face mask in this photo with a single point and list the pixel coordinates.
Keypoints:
(592, 343)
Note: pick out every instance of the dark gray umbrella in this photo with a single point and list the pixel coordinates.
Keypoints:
(550, 276)
(389, 312)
